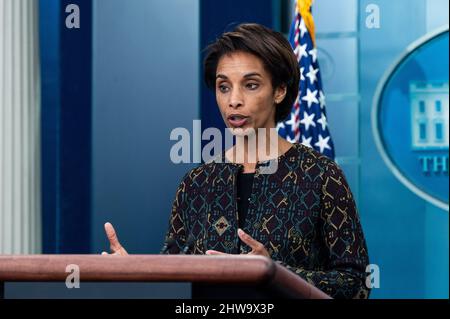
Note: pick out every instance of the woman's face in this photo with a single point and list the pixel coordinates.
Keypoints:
(244, 92)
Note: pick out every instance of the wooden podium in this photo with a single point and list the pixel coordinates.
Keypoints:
(211, 276)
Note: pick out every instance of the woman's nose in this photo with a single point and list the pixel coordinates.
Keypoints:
(236, 99)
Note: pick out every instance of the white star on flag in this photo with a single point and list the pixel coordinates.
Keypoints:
(307, 141)
(291, 121)
(313, 53)
(302, 77)
(311, 97)
(291, 139)
(323, 143)
(308, 120)
(303, 28)
(312, 74)
(280, 125)
(323, 121)
(301, 51)
(322, 99)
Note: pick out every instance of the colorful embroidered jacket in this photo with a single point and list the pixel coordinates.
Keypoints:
(304, 214)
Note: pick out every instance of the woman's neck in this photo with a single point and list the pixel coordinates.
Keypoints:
(246, 151)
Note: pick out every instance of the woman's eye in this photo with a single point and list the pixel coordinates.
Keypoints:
(223, 88)
(252, 86)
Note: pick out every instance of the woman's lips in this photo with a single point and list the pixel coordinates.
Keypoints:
(237, 121)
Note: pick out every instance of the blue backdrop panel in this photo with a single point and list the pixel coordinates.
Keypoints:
(145, 84)
(49, 45)
(66, 127)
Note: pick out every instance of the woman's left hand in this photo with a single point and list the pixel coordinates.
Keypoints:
(256, 246)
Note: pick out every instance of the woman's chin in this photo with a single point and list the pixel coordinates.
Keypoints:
(244, 130)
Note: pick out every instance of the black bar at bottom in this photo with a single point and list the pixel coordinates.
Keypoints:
(2, 290)
(236, 291)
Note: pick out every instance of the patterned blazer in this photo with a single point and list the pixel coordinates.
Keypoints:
(304, 214)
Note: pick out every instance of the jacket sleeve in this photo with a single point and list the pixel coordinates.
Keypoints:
(344, 275)
(175, 237)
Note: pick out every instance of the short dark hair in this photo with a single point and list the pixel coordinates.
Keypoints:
(271, 47)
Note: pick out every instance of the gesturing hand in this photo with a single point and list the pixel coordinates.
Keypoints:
(114, 244)
(256, 246)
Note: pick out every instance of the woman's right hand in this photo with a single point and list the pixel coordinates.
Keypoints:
(114, 244)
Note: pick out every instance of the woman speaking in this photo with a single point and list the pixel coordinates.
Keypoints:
(303, 214)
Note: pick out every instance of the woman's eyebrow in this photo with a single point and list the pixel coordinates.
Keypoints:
(221, 76)
(248, 75)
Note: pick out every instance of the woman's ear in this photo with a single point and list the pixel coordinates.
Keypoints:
(280, 93)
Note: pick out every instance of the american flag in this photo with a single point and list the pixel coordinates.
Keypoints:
(308, 122)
